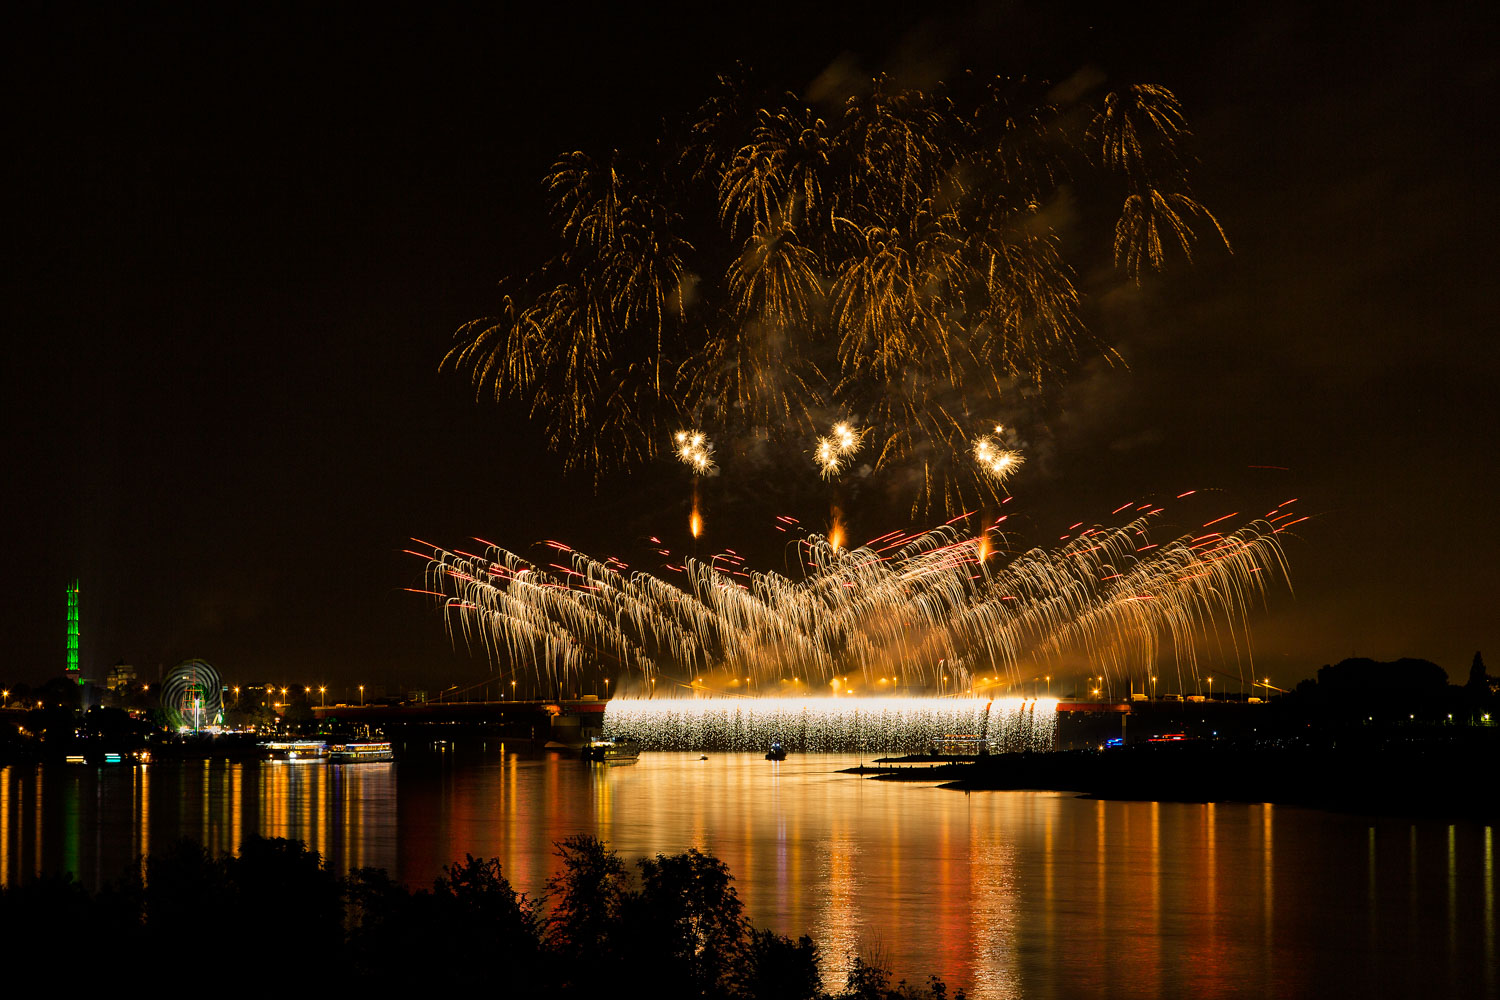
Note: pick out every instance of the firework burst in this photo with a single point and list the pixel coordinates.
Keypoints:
(893, 257)
(994, 459)
(916, 609)
(695, 451)
(833, 451)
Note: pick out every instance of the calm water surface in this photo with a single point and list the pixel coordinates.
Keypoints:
(1008, 894)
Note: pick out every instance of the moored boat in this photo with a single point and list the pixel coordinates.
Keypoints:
(777, 752)
(610, 750)
(366, 751)
(296, 751)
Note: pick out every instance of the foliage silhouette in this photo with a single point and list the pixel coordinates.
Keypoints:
(778, 967)
(679, 932)
(690, 924)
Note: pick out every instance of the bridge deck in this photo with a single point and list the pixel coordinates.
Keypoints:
(456, 711)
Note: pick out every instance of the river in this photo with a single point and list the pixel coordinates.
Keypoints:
(1007, 894)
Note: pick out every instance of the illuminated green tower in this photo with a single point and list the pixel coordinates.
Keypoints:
(73, 671)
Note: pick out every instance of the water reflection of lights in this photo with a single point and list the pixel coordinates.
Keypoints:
(4, 822)
(840, 928)
(833, 725)
(994, 921)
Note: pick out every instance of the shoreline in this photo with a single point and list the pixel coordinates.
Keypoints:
(1417, 779)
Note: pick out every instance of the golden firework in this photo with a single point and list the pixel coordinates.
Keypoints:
(924, 607)
(994, 459)
(897, 256)
(834, 449)
(695, 451)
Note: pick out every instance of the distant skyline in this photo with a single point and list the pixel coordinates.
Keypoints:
(240, 244)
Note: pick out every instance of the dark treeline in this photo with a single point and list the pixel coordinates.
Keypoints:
(1414, 779)
(1365, 736)
(676, 930)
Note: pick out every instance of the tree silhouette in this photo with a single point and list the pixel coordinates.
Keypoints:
(586, 898)
(1479, 679)
(681, 934)
(778, 967)
(697, 931)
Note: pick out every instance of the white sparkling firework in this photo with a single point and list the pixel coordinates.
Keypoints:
(840, 444)
(695, 451)
(995, 459)
(834, 725)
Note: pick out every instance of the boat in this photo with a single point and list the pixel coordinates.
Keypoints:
(611, 750)
(958, 745)
(777, 752)
(369, 751)
(296, 751)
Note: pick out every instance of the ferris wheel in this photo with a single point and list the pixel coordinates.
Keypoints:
(191, 695)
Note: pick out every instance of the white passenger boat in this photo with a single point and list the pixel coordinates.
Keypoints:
(368, 751)
(296, 751)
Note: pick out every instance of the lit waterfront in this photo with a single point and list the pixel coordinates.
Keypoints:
(1008, 894)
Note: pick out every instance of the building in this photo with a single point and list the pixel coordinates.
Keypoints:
(121, 678)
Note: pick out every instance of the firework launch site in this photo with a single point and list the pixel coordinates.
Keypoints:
(1397, 747)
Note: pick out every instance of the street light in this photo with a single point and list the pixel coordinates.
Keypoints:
(322, 696)
(361, 695)
(1210, 689)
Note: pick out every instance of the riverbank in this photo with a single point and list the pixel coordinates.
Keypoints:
(1451, 779)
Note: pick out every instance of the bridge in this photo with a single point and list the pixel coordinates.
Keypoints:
(459, 711)
(570, 720)
(588, 711)
(562, 719)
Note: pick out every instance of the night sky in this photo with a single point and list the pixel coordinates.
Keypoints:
(238, 245)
